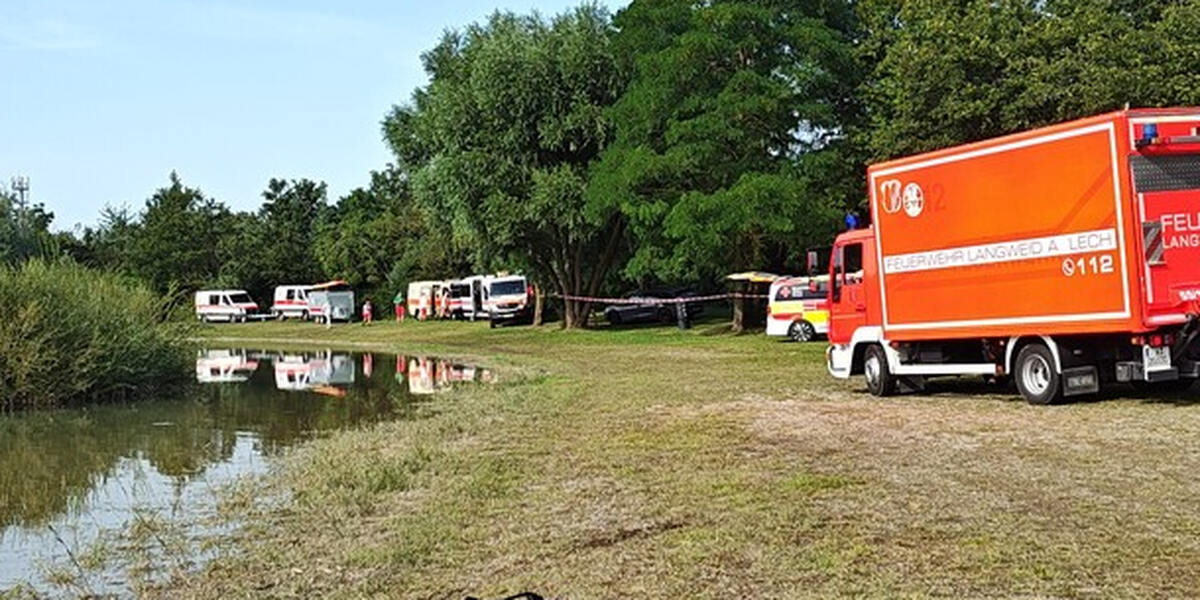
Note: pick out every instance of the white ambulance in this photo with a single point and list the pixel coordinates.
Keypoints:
(291, 301)
(507, 299)
(224, 305)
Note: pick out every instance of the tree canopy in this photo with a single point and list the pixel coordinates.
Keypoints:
(499, 143)
(730, 139)
(671, 143)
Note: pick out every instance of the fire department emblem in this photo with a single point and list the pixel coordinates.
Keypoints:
(890, 199)
(914, 200)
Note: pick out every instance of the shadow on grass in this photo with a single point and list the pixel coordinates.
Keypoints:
(977, 388)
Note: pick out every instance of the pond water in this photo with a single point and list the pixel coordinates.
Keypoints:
(72, 479)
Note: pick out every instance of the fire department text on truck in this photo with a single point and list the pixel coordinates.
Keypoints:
(1186, 227)
(1044, 247)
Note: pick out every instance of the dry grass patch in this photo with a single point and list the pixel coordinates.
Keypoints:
(663, 464)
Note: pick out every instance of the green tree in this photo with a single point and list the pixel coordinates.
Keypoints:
(949, 72)
(108, 245)
(731, 148)
(378, 239)
(24, 230)
(500, 141)
(177, 244)
(287, 231)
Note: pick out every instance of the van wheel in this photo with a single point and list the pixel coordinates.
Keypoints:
(880, 381)
(1036, 377)
(802, 331)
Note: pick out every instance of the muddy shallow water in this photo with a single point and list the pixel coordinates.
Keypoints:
(76, 484)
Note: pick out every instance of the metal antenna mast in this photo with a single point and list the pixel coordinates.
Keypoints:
(20, 185)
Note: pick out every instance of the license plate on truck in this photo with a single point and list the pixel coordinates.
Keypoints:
(1156, 359)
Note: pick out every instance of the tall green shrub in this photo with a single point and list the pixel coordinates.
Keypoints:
(69, 334)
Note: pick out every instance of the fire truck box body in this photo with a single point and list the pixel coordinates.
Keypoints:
(1088, 228)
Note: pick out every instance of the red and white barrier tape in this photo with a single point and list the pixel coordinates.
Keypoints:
(689, 300)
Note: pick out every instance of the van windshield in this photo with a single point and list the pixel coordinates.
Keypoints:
(460, 290)
(242, 298)
(507, 288)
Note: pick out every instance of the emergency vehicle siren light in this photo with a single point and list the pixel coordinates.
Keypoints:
(1149, 134)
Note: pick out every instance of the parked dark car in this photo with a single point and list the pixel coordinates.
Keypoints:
(649, 310)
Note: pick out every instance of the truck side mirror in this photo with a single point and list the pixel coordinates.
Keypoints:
(812, 262)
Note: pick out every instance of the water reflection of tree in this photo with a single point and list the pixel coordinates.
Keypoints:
(49, 461)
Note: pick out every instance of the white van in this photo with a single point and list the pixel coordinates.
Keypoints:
(224, 305)
(506, 298)
(423, 294)
(224, 366)
(460, 298)
(472, 303)
(291, 301)
(798, 309)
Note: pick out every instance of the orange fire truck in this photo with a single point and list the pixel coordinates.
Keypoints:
(1064, 257)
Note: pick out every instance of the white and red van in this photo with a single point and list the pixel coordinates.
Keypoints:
(507, 299)
(224, 305)
(798, 308)
(291, 301)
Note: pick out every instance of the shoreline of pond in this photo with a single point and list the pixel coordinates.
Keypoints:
(135, 474)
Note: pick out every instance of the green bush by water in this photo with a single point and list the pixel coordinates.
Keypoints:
(70, 335)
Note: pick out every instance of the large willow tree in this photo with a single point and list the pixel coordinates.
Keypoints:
(500, 141)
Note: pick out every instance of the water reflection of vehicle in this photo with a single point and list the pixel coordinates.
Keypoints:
(318, 372)
(430, 375)
(224, 366)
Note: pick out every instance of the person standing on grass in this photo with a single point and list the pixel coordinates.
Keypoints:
(366, 312)
(423, 305)
(400, 308)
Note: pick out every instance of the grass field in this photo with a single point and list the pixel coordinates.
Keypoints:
(660, 463)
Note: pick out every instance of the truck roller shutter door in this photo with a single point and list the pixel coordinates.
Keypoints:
(1165, 173)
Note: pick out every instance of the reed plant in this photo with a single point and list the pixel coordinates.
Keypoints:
(72, 335)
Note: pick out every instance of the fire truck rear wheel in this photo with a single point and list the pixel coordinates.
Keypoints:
(802, 331)
(1037, 379)
(880, 381)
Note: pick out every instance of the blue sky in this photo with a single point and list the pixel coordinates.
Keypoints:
(100, 100)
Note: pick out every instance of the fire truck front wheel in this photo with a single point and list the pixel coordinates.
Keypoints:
(1037, 379)
(880, 381)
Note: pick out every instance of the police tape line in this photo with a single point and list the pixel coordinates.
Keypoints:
(635, 300)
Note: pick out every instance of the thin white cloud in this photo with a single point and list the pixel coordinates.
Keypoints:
(239, 21)
(47, 34)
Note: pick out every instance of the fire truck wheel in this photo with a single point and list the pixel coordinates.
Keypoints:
(1037, 380)
(802, 331)
(880, 381)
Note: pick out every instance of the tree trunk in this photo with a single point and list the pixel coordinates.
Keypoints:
(739, 314)
(539, 302)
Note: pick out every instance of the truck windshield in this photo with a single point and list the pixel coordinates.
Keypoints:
(240, 299)
(508, 288)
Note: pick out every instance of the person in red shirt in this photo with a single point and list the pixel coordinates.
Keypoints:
(366, 312)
